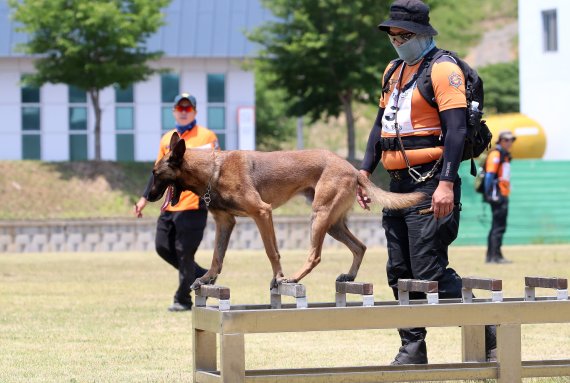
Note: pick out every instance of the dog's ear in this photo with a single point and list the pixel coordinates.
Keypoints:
(174, 140)
(178, 151)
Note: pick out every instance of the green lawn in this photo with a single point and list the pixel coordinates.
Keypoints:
(102, 317)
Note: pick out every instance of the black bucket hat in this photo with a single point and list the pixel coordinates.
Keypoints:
(411, 15)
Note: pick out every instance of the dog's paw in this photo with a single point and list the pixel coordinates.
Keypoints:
(345, 278)
(197, 284)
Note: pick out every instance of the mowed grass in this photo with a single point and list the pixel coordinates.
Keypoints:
(101, 317)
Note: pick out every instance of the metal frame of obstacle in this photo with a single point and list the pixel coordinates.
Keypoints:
(231, 323)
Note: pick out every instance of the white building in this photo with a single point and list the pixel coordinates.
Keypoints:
(544, 54)
(204, 47)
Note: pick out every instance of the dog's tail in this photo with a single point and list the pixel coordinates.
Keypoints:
(387, 199)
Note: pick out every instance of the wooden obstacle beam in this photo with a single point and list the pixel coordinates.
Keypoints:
(221, 293)
(295, 290)
(559, 284)
(495, 286)
(357, 288)
(429, 288)
(509, 315)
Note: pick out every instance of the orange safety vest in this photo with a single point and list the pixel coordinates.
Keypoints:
(415, 116)
(198, 137)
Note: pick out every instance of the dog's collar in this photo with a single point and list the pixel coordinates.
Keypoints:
(206, 196)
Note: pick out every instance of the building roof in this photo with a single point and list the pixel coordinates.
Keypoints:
(194, 28)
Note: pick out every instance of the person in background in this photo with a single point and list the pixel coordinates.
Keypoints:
(497, 190)
(180, 228)
(421, 148)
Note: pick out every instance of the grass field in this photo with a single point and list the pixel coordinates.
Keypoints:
(101, 317)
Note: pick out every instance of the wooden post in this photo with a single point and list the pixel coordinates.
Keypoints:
(509, 353)
(232, 358)
(204, 353)
(473, 337)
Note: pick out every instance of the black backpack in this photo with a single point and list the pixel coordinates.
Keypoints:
(478, 137)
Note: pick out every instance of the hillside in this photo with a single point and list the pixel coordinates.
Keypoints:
(31, 190)
(42, 190)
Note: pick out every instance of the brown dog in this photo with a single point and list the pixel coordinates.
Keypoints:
(249, 183)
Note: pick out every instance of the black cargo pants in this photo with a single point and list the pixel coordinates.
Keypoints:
(178, 235)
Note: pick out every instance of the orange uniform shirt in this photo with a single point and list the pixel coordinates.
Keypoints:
(198, 137)
(415, 116)
(502, 170)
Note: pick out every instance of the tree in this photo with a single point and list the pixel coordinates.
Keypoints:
(90, 44)
(501, 83)
(274, 126)
(326, 54)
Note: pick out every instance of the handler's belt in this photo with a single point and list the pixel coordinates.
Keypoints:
(404, 174)
(410, 142)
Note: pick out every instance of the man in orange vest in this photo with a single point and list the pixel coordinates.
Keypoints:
(180, 228)
(497, 190)
(421, 148)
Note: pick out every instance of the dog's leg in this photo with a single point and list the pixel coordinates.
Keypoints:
(340, 232)
(225, 223)
(319, 227)
(264, 220)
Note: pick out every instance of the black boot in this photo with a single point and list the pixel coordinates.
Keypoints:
(413, 350)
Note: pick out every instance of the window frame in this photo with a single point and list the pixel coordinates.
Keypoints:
(30, 133)
(125, 133)
(221, 133)
(76, 133)
(550, 30)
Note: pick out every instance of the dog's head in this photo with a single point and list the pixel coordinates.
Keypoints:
(166, 173)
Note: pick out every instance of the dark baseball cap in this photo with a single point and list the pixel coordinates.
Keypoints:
(506, 135)
(411, 15)
(185, 96)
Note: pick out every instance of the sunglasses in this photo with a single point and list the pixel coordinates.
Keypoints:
(401, 37)
(187, 108)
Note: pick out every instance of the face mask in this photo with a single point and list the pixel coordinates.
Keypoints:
(413, 51)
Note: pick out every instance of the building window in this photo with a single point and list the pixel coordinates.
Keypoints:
(217, 106)
(170, 88)
(31, 122)
(550, 30)
(77, 124)
(124, 124)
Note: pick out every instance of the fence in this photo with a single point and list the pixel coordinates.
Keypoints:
(233, 322)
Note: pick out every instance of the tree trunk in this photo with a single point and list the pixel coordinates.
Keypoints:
(346, 99)
(300, 143)
(94, 94)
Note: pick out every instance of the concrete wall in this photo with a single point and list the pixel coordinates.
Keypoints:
(543, 79)
(138, 235)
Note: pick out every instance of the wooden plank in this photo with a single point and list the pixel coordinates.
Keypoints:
(361, 288)
(380, 317)
(295, 290)
(545, 368)
(213, 291)
(416, 285)
(546, 282)
(482, 283)
(452, 371)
